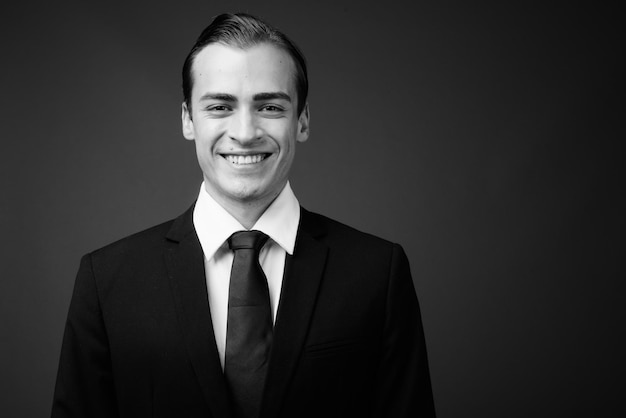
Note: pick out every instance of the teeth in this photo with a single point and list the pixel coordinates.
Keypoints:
(245, 159)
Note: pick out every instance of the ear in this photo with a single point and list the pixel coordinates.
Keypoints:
(303, 124)
(188, 131)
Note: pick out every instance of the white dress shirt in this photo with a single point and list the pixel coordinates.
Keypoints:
(214, 225)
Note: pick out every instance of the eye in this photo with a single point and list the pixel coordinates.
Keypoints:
(218, 108)
(271, 109)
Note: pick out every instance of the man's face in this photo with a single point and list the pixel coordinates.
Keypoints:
(244, 121)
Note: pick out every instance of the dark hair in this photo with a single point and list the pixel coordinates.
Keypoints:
(244, 31)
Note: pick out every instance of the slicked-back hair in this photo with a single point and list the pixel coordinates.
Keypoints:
(243, 31)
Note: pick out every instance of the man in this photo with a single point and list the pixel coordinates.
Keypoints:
(297, 316)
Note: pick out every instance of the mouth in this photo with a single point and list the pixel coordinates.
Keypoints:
(245, 159)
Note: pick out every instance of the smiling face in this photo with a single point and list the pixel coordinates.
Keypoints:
(244, 121)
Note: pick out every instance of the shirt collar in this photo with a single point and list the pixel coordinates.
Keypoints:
(214, 224)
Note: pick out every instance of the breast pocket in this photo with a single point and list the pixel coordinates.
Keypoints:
(334, 376)
(350, 348)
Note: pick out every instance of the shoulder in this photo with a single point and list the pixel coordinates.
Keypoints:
(134, 247)
(340, 236)
(149, 241)
(354, 259)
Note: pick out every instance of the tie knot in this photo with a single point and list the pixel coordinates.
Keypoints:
(249, 240)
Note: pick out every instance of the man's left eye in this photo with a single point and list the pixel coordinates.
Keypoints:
(271, 108)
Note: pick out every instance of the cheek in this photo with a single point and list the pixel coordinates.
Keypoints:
(287, 137)
(210, 129)
(288, 153)
(291, 144)
(206, 138)
(204, 153)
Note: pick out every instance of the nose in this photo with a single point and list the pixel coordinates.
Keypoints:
(243, 127)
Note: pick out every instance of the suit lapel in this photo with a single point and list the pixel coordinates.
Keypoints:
(185, 264)
(302, 277)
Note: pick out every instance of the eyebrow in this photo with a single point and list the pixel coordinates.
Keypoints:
(271, 96)
(225, 97)
(218, 96)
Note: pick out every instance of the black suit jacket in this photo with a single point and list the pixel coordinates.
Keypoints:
(348, 338)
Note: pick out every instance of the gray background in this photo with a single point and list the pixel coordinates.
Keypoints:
(483, 138)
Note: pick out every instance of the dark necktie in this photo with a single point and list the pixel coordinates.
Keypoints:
(249, 327)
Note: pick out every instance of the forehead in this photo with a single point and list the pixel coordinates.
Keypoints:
(219, 68)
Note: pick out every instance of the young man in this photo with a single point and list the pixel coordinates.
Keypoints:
(296, 316)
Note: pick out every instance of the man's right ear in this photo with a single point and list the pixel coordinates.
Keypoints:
(187, 123)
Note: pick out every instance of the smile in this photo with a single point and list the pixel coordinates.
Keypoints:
(245, 159)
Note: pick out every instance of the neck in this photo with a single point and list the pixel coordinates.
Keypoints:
(247, 213)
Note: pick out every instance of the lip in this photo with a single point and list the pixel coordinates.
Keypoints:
(237, 159)
(245, 153)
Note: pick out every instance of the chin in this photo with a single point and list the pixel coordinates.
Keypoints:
(246, 192)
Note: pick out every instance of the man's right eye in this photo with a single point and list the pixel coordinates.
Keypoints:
(218, 108)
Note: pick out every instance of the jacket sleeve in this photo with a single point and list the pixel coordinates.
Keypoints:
(84, 386)
(403, 383)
